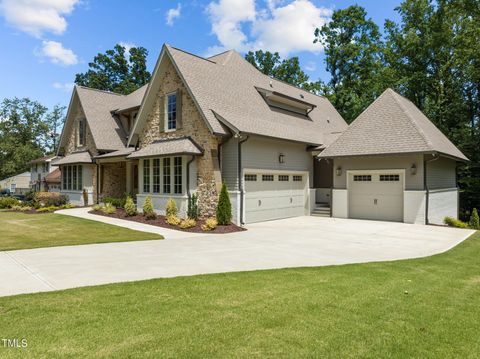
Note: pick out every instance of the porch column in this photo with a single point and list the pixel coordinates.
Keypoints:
(129, 174)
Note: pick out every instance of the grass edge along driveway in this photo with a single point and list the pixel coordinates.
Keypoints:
(26, 231)
(418, 308)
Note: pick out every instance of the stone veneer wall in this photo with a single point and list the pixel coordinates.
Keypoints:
(114, 178)
(193, 125)
(71, 144)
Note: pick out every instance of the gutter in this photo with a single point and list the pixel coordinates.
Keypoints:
(188, 177)
(425, 184)
(240, 182)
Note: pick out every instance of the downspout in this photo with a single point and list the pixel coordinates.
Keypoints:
(425, 184)
(188, 177)
(98, 181)
(240, 182)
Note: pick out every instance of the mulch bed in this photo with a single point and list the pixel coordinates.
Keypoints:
(160, 222)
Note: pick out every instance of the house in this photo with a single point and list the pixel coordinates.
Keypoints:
(282, 151)
(18, 184)
(44, 175)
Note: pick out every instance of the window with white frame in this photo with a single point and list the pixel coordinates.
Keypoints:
(146, 176)
(165, 174)
(72, 178)
(171, 112)
(81, 132)
(13, 187)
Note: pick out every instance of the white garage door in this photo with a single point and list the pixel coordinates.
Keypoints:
(377, 196)
(272, 196)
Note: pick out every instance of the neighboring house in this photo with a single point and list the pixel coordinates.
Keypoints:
(41, 178)
(18, 184)
(204, 121)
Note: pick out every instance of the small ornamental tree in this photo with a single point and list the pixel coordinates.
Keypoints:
(224, 207)
(474, 220)
(130, 207)
(171, 208)
(192, 211)
(148, 211)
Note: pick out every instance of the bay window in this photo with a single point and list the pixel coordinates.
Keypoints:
(166, 175)
(72, 178)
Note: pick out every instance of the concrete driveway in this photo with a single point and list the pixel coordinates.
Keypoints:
(294, 242)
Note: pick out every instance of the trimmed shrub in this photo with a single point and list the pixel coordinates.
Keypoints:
(210, 224)
(67, 206)
(47, 209)
(97, 207)
(148, 211)
(188, 223)
(224, 207)
(173, 220)
(109, 209)
(474, 220)
(453, 222)
(171, 208)
(21, 208)
(192, 211)
(8, 202)
(47, 199)
(117, 202)
(130, 207)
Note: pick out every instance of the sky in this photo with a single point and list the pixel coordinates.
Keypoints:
(46, 42)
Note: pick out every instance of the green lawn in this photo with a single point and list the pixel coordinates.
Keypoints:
(21, 231)
(352, 311)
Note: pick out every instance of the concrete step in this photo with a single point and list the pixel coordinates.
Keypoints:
(327, 215)
(322, 205)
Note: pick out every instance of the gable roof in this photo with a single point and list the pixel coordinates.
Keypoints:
(391, 125)
(98, 105)
(225, 90)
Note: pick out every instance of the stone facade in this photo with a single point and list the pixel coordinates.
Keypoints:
(193, 125)
(71, 144)
(113, 179)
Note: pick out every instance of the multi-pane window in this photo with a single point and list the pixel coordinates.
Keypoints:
(283, 178)
(362, 178)
(146, 176)
(156, 175)
(177, 168)
(81, 132)
(389, 178)
(297, 178)
(171, 112)
(267, 177)
(72, 178)
(166, 175)
(250, 177)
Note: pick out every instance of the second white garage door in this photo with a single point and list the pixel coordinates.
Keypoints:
(273, 196)
(375, 195)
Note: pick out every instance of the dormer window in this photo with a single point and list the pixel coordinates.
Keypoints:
(81, 133)
(171, 112)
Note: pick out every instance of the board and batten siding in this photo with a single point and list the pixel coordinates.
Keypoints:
(412, 181)
(263, 154)
(441, 173)
(229, 163)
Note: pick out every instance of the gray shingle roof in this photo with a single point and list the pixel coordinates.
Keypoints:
(76, 157)
(391, 125)
(123, 152)
(176, 146)
(133, 99)
(224, 86)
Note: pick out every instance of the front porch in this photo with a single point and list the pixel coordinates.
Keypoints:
(116, 177)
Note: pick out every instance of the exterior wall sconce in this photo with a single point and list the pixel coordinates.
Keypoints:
(281, 158)
(413, 169)
(338, 171)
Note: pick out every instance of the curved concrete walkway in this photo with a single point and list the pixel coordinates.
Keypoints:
(294, 242)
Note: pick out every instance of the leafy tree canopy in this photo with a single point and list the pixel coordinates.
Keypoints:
(116, 70)
(27, 131)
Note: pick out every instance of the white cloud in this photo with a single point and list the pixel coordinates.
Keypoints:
(173, 14)
(127, 45)
(37, 16)
(311, 66)
(57, 53)
(65, 86)
(283, 26)
(227, 17)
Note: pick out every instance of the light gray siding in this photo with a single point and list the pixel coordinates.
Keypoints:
(441, 173)
(412, 181)
(229, 163)
(263, 153)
